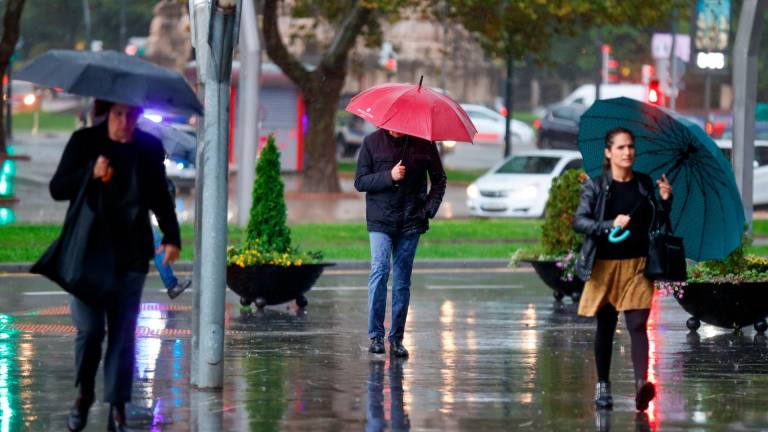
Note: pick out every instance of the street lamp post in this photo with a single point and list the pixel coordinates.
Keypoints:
(745, 53)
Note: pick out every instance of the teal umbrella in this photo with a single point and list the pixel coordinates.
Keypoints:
(706, 210)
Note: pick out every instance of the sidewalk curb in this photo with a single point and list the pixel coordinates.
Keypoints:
(186, 266)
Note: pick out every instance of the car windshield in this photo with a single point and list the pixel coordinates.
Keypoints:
(761, 155)
(529, 165)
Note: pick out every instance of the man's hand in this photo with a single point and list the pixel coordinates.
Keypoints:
(171, 253)
(398, 172)
(102, 170)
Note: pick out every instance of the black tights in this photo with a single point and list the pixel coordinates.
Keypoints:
(637, 324)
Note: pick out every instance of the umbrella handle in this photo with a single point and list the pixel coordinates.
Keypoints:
(615, 237)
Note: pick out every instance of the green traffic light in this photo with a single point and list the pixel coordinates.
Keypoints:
(6, 185)
(9, 168)
(6, 216)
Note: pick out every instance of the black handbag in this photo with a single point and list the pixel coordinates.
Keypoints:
(666, 255)
(82, 259)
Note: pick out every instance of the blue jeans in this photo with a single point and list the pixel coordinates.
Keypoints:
(166, 272)
(402, 249)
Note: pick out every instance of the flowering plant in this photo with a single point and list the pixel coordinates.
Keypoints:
(567, 264)
(254, 254)
(670, 288)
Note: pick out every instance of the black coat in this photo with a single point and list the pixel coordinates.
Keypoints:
(589, 216)
(402, 207)
(139, 185)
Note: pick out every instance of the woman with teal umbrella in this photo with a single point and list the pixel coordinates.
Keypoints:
(619, 199)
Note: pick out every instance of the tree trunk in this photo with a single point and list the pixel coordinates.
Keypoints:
(11, 30)
(322, 99)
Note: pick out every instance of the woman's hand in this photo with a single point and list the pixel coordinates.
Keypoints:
(665, 189)
(621, 221)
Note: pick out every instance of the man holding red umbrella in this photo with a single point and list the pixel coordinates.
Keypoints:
(392, 169)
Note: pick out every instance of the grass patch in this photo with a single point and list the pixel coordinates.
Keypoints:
(446, 239)
(48, 121)
(525, 116)
(454, 175)
(465, 239)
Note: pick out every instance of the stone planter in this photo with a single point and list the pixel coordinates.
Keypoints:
(551, 275)
(728, 305)
(270, 284)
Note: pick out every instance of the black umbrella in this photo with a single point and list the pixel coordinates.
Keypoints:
(114, 77)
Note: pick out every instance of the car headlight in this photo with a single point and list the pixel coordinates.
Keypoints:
(524, 193)
(30, 99)
(473, 191)
(449, 144)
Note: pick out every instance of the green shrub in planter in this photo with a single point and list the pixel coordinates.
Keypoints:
(267, 237)
(557, 235)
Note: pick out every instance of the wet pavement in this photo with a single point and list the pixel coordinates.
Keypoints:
(490, 350)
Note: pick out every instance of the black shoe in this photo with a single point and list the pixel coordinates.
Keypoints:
(646, 391)
(179, 288)
(78, 415)
(116, 421)
(603, 398)
(397, 349)
(377, 346)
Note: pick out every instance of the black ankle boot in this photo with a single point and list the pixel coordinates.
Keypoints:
(78, 415)
(603, 398)
(646, 391)
(377, 345)
(397, 349)
(116, 422)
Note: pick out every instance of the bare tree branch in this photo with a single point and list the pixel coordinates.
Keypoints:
(345, 37)
(277, 50)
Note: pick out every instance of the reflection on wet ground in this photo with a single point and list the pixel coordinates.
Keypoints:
(489, 351)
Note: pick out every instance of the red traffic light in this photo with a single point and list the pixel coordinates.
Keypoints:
(655, 95)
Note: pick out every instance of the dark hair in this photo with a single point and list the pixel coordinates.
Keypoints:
(101, 108)
(609, 141)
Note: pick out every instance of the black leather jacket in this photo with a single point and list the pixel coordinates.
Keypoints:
(588, 219)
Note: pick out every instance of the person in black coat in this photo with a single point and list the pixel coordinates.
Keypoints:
(392, 169)
(129, 175)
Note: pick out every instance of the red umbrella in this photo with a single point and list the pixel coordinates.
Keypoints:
(413, 110)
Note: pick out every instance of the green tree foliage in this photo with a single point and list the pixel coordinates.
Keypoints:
(502, 27)
(557, 234)
(267, 222)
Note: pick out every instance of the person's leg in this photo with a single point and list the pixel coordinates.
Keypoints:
(637, 325)
(166, 272)
(381, 250)
(119, 361)
(89, 322)
(607, 317)
(402, 267)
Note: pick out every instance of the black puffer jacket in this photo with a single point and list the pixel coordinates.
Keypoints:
(589, 215)
(402, 207)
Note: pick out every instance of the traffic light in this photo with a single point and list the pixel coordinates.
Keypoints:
(610, 69)
(7, 171)
(655, 95)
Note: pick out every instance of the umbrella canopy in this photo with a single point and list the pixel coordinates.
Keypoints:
(114, 77)
(707, 210)
(413, 110)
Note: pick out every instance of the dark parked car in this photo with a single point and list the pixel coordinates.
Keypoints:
(559, 128)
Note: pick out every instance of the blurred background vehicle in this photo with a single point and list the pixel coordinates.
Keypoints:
(760, 164)
(491, 127)
(519, 185)
(350, 131)
(25, 96)
(559, 128)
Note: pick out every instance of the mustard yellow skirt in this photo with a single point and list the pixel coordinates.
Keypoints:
(618, 282)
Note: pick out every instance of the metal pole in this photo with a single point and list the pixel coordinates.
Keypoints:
(745, 54)
(123, 26)
(214, 209)
(508, 103)
(199, 14)
(599, 76)
(9, 104)
(248, 122)
(673, 64)
(87, 24)
(707, 91)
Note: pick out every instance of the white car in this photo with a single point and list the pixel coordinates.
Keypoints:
(519, 185)
(491, 127)
(760, 176)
